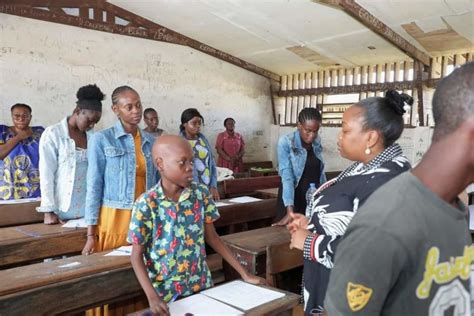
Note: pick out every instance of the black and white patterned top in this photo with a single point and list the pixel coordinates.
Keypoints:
(332, 208)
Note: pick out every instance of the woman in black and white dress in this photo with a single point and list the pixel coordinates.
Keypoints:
(369, 131)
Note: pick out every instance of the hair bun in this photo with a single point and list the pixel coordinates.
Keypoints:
(90, 92)
(398, 101)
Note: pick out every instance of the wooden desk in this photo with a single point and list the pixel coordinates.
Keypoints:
(19, 214)
(21, 244)
(27, 243)
(282, 306)
(49, 288)
(268, 193)
(256, 172)
(249, 248)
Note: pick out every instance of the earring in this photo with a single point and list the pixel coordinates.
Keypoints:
(368, 151)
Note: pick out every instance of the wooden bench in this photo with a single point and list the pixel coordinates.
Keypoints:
(280, 259)
(30, 243)
(26, 243)
(19, 214)
(245, 186)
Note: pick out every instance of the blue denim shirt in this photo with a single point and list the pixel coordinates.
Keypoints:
(291, 162)
(111, 172)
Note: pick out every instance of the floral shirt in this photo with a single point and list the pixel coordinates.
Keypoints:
(172, 234)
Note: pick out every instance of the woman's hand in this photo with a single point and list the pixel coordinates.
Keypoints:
(158, 307)
(215, 194)
(298, 237)
(51, 218)
(297, 221)
(253, 279)
(90, 245)
(287, 219)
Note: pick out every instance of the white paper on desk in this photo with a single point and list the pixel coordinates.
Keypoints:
(244, 199)
(20, 201)
(201, 305)
(471, 217)
(122, 251)
(470, 188)
(75, 223)
(219, 203)
(242, 295)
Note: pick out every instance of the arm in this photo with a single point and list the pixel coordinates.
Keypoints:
(285, 170)
(241, 152)
(363, 258)
(10, 144)
(157, 306)
(220, 148)
(216, 243)
(95, 187)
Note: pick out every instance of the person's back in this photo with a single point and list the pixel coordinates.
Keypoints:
(420, 233)
(408, 251)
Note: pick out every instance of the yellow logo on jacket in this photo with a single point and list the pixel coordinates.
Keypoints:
(358, 296)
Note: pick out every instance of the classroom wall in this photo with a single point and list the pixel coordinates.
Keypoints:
(414, 143)
(43, 64)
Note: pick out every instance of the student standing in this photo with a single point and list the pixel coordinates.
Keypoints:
(120, 169)
(152, 121)
(63, 158)
(170, 224)
(231, 147)
(204, 170)
(300, 162)
(19, 157)
(408, 250)
(369, 131)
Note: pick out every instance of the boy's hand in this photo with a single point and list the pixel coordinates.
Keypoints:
(253, 279)
(158, 307)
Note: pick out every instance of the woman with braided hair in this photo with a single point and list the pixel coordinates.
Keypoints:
(369, 131)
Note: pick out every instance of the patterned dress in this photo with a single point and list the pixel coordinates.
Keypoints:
(19, 173)
(172, 234)
(231, 145)
(201, 160)
(332, 208)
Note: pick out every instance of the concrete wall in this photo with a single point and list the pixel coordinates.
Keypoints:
(43, 64)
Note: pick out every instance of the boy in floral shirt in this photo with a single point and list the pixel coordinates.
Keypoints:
(169, 226)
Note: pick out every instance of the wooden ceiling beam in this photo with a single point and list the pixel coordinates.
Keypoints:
(138, 26)
(402, 85)
(363, 16)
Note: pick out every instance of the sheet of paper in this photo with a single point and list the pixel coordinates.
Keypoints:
(122, 251)
(471, 217)
(70, 265)
(244, 199)
(20, 201)
(242, 295)
(75, 223)
(470, 188)
(219, 203)
(201, 305)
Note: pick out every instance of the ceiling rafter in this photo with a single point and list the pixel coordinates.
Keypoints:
(366, 18)
(137, 26)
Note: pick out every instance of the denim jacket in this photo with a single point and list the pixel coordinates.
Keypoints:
(212, 162)
(291, 162)
(111, 172)
(57, 167)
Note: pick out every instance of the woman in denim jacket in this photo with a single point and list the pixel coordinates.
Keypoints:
(120, 169)
(63, 159)
(300, 163)
(204, 170)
